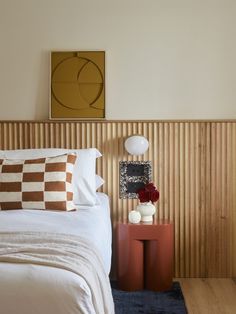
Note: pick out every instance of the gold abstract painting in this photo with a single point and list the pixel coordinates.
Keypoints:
(77, 85)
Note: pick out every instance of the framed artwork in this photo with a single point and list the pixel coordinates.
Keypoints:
(133, 176)
(77, 85)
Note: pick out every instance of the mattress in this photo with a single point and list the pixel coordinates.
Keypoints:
(26, 288)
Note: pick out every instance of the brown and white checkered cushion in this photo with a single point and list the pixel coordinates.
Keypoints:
(43, 183)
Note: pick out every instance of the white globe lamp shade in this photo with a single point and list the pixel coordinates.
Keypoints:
(136, 145)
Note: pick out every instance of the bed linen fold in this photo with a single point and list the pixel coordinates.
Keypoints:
(69, 252)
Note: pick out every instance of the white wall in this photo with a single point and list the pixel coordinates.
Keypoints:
(165, 59)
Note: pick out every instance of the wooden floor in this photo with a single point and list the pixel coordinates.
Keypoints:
(209, 296)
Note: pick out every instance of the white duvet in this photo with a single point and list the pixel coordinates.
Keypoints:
(34, 289)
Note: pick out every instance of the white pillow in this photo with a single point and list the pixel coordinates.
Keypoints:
(83, 181)
(99, 181)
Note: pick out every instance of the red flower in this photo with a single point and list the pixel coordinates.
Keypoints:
(148, 193)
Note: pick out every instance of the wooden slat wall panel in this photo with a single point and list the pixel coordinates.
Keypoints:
(232, 201)
(194, 167)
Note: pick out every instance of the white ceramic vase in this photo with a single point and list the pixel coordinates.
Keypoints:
(147, 210)
(134, 217)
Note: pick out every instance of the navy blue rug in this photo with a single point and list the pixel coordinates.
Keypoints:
(149, 302)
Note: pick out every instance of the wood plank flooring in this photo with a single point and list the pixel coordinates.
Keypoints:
(209, 295)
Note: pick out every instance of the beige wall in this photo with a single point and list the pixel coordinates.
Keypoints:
(165, 59)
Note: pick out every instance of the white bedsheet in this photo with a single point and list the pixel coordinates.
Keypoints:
(28, 289)
(91, 222)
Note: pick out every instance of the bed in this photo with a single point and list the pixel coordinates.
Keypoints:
(76, 282)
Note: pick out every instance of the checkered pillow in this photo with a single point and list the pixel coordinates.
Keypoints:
(43, 183)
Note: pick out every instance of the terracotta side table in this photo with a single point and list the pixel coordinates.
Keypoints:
(145, 256)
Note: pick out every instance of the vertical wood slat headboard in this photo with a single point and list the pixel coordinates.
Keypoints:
(194, 167)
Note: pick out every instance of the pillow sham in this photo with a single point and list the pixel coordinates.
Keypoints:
(99, 181)
(43, 183)
(83, 181)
